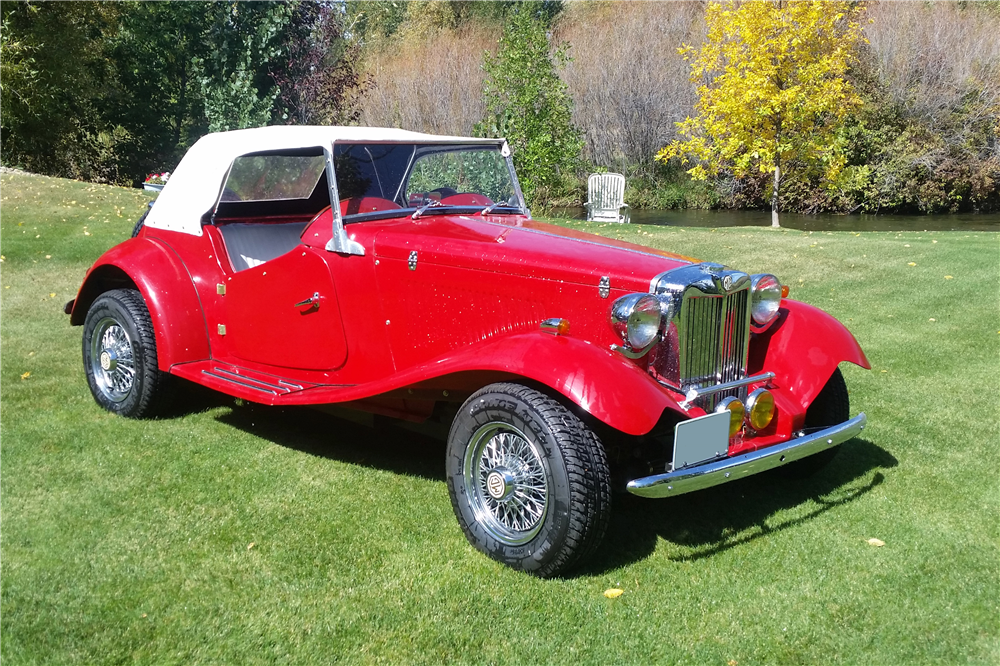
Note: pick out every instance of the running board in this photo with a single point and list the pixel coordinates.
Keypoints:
(280, 388)
(240, 382)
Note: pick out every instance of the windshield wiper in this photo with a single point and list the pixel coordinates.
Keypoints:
(489, 209)
(423, 209)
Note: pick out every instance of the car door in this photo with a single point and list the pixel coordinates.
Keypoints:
(285, 313)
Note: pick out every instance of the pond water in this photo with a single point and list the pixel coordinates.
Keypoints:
(758, 218)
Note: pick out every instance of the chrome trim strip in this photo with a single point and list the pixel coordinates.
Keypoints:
(715, 473)
(247, 384)
(589, 242)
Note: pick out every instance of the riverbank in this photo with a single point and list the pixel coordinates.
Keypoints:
(724, 218)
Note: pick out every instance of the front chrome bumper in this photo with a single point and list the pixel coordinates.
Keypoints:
(716, 472)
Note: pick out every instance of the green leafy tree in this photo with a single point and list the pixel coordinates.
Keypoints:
(193, 67)
(317, 73)
(109, 91)
(528, 104)
(774, 91)
(55, 76)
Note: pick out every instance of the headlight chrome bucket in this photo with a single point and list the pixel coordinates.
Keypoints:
(765, 299)
(637, 319)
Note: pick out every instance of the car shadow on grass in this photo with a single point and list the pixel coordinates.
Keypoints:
(701, 523)
(707, 522)
(384, 446)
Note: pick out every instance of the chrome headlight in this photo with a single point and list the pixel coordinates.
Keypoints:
(637, 318)
(765, 297)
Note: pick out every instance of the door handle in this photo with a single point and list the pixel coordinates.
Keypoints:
(312, 301)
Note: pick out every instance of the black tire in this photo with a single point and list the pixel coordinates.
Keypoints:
(831, 407)
(119, 356)
(142, 220)
(528, 480)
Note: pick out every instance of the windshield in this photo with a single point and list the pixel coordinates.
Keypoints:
(383, 177)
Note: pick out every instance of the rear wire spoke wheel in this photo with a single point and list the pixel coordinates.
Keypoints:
(111, 360)
(528, 480)
(119, 356)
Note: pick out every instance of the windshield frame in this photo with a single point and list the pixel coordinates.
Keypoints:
(424, 148)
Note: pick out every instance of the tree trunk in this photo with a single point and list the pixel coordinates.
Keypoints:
(774, 195)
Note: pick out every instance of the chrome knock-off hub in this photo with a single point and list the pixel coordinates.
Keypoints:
(508, 489)
(499, 483)
(109, 360)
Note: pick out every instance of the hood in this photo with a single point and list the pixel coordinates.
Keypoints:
(518, 246)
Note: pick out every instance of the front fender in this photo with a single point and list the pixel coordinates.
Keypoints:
(165, 284)
(803, 349)
(603, 383)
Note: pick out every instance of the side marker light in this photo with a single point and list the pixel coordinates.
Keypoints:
(556, 326)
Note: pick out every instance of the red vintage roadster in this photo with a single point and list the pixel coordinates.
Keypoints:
(401, 274)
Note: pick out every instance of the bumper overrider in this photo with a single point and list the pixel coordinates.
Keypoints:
(706, 475)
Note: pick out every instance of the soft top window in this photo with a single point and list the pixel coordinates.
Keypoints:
(271, 177)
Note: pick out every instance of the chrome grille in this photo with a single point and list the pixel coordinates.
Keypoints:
(714, 334)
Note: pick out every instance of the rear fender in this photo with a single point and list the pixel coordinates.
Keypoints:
(165, 284)
(803, 349)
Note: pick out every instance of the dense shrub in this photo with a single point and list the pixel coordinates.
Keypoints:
(527, 103)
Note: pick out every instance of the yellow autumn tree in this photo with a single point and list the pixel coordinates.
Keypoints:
(773, 89)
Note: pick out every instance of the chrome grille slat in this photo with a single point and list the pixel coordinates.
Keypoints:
(715, 342)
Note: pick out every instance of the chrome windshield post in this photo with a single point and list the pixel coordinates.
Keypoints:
(505, 152)
(339, 241)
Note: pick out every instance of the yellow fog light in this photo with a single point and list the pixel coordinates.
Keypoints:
(736, 413)
(760, 407)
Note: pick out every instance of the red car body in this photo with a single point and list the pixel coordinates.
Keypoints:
(434, 307)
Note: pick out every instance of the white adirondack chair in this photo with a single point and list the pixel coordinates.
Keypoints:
(606, 198)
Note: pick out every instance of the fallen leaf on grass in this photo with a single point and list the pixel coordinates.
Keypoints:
(25, 375)
(52, 295)
(252, 544)
(912, 263)
(948, 277)
(878, 543)
(613, 593)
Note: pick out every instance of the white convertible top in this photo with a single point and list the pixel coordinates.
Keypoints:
(194, 186)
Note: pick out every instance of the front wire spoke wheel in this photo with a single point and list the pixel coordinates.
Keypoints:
(505, 473)
(528, 480)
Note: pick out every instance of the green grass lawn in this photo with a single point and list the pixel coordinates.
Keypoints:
(252, 535)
